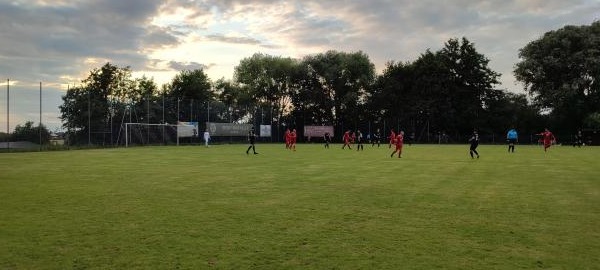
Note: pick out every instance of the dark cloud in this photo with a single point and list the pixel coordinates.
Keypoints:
(50, 37)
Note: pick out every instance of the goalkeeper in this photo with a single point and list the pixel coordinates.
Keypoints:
(512, 137)
(206, 137)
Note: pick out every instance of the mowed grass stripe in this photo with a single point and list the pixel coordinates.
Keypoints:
(193, 207)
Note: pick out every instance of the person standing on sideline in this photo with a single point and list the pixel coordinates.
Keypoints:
(327, 139)
(206, 137)
(251, 140)
(512, 137)
(474, 140)
(346, 140)
(359, 141)
(398, 141)
(547, 138)
(392, 137)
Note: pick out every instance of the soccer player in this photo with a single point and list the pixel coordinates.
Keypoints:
(286, 137)
(474, 140)
(327, 139)
(578, 139)
(359, 141)
(206, 137)
(346, 140)
(293, 136)
(251, 140)
(392, 137)
(376, 138)
(512, 137)
(398, 141)
(547, 138)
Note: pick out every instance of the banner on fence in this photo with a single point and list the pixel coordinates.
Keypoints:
(317, 131)
(187, 129)
(265, 130)
(228, 129)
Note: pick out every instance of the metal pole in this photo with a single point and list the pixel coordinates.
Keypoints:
(8, 114)
(89, 118)
(208, 111)
(148, 118)
(112, 112)
(40, 127)
(163, 115)
(178, 121)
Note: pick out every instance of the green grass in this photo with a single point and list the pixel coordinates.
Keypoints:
(218, 208)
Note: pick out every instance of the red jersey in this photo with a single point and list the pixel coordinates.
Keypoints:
(346, 137)
(392, 136)
(287, 136)
(293, 137)
(547, 136)
(399, 140)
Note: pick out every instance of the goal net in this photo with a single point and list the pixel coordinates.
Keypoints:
(159, 134)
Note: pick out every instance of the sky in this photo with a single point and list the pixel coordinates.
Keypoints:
(58, 42)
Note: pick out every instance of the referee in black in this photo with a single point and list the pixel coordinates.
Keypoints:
(474, 140)
(252, 140)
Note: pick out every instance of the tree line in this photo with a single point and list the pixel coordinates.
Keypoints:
(451, 90)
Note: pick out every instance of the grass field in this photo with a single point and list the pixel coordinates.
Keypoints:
(200, 208)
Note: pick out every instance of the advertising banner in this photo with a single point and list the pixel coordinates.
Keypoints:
(187, 129)
(317, 131)
(228, 129)
(265, 130)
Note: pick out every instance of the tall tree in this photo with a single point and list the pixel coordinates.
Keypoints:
(87, 109)
(236, 98)
(344, 79)
(561, 70)
(471, 81)
(269, 80)
(190, 88)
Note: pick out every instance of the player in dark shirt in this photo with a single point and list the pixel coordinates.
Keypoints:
(376, 138)
(474, 140)
(251, 140)
(359, 141)
(327, 139)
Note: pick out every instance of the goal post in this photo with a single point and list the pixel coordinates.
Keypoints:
(157, 134)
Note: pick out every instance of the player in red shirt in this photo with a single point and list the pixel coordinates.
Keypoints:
(392, 138)
(286, 137)
(547, 138)
(293, 137)
(346, 139)
(399, 141)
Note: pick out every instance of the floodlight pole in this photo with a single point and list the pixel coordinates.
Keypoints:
(89, 117)
(148, 117)
(8, 114)
(163, 115)
(40, 127)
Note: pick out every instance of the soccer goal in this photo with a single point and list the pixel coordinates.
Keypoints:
(158, 134)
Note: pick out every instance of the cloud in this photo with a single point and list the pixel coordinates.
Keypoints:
(60, 41)
(188, 66)
(235, 40)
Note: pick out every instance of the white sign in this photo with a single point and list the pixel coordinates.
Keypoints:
(265, 130)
